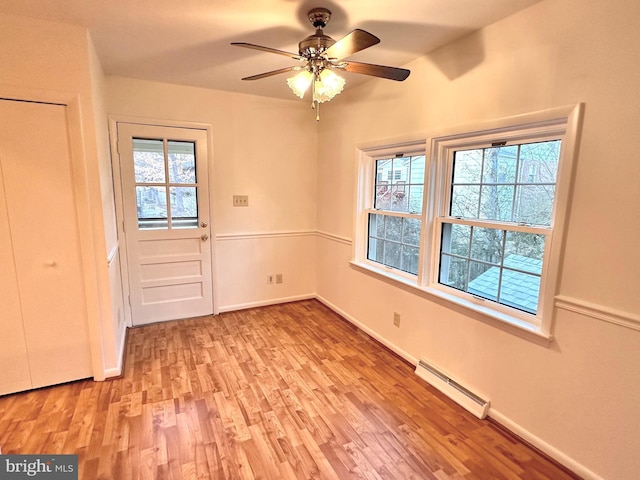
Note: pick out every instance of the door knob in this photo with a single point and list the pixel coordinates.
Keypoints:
(204, 224)
(204, 237)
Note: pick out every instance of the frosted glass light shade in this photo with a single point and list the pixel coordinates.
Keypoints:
(327, 85)
(300, 83)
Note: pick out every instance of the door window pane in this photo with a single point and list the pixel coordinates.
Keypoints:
(152, 159)
(184, 207)
(152, 207)
(182, 162)
(148, 160)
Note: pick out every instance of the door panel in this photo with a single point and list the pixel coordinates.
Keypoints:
(14, 373)
(166, 209)
(43, 225)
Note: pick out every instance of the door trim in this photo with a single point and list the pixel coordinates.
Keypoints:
(114, 120)
(90, 233)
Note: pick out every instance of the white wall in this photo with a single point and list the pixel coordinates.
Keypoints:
(41, 58)
(263, 148)
(579, 397)
(113, 331)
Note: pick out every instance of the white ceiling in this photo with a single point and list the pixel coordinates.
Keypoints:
(188, 41)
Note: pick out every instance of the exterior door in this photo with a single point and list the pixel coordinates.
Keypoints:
(166, 221)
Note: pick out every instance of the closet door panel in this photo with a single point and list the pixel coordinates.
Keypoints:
(42, 215)
(14, 362)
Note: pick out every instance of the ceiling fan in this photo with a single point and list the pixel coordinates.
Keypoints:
(320, 56)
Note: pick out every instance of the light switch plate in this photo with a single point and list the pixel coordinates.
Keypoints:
(241, 200)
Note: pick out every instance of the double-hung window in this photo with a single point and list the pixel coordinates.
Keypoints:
(393, 209)
(495, 220)
(478, 220)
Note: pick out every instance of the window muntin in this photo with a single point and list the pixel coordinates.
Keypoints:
(166, 184)
(395, 221)
(530, 132)
(394, 241)
(494, 264)
(514, 183)
(493, 192)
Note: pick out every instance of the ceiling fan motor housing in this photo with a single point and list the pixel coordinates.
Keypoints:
(315, 45)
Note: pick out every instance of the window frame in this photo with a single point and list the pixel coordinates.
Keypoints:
(558, 123)
(366, 201)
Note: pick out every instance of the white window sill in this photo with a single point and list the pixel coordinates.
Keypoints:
(481, 312)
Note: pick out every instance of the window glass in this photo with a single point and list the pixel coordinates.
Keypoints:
(152, 207)
(499, 265)
(184, 207)
(148, 160)
(485, 185)
(157, 174)
(182, 162)
(478, 231)
(394, 240)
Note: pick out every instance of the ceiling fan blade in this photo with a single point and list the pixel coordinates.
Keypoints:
(271, 73)
(351, 43)
(266, 49)
(392, 73)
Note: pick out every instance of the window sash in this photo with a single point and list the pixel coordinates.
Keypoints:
(438, 254)
(442, 196)
(509, 267)
(552, 124)
(408, 260)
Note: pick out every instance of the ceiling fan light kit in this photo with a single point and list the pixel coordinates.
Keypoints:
(320, 56)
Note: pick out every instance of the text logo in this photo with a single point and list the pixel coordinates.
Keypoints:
(49, 467)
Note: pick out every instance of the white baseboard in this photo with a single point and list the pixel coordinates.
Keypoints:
(394, 348)
(117, 371)
(264, 303)
(509, 424)
(543, 446)
(505, 421)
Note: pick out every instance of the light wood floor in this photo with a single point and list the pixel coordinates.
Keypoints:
(283, 392)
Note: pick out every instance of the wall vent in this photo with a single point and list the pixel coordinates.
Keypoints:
(452, 389)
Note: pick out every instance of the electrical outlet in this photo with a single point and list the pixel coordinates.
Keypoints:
(396, 319)
(241, 200)
(270, 279)
(278, 278)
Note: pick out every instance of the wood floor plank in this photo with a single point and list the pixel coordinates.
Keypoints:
(290, 392)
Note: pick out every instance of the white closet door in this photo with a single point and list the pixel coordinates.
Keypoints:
(14, 373)
(42, 219)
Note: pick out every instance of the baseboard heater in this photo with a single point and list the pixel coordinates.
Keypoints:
(452, 389)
